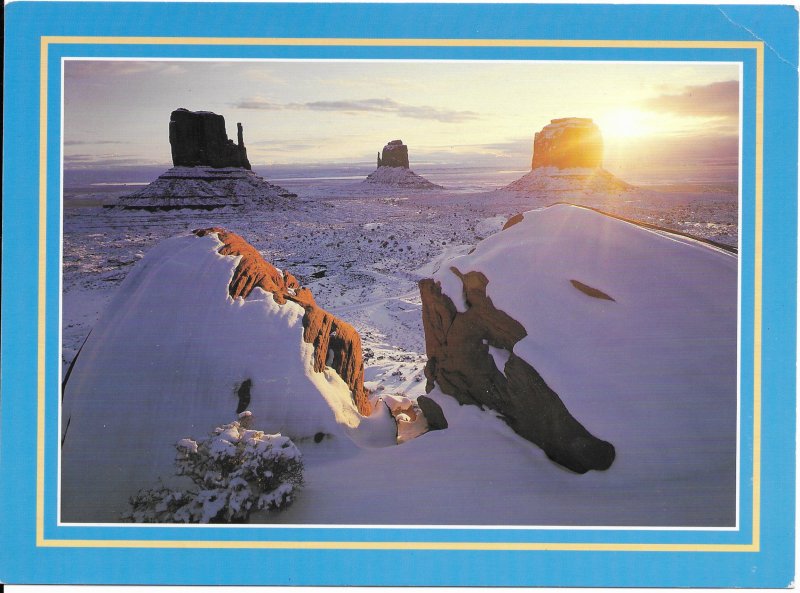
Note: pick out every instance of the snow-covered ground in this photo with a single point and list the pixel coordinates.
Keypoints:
(399, 177)
(207, 187)
(362, 248)
(166, 359)
(652, 371)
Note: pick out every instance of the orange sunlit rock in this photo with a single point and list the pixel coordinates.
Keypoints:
(336, 343)
(570, 142)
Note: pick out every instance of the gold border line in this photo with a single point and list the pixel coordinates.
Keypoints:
(758, 294)
(40, 409)
(753, 546)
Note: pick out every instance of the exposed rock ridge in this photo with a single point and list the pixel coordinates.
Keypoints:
(336, 343)
(199, 138)
(516, 219)
(459, 362)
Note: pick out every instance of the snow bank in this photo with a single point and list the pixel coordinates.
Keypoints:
(165, 362)
(655, 370)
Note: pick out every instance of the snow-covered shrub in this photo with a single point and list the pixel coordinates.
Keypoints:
(235, 471)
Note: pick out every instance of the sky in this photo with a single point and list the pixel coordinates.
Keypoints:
(681, 118)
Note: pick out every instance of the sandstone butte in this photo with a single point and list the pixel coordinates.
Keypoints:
(459, 362)
(569, 142)
(199, 138)
(395, 154)
(325, 331)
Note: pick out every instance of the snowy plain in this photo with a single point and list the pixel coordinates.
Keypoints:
(362, 249)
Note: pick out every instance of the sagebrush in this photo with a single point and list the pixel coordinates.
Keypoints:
(234, 472)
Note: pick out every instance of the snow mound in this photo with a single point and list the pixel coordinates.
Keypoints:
(170, 359)
(207, 188)
(399, 177)
(553, 181)
(654, 371)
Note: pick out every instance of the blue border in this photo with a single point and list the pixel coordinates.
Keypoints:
(57, 51)
(22, 562)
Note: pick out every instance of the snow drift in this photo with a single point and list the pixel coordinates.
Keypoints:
(634, 329)
(178, 351)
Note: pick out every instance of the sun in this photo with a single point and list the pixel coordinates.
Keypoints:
(625, 123)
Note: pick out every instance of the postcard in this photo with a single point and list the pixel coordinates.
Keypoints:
(384, 294)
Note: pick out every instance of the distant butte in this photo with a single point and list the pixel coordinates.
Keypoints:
(394, 171)
(209, 171)
(395, 154)
(568, 158)
(567, 143)
(199, 138)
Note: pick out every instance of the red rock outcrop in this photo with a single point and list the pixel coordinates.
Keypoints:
(570, 142)
(517, 218)
(336, 343)
(199, 138)
(460, 363)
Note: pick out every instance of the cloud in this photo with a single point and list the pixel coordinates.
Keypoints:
(259, 103)
(522, 145)
(105, 68)
(353, 107)
(718, 99)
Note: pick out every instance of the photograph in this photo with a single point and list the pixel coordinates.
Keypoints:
(400, 293)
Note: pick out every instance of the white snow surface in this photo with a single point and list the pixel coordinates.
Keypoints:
(571, 180)
(165, 362)
(205, 187)
(374, 243)
(399, 177)
(500, 357)
(654, 371)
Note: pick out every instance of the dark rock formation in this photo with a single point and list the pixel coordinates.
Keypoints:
(459, 362)
(199, 138)
(210, 171)
(568, 143)
(393, 169)
(433, 413)
(591, 291)
(395, 154)
(517, 218)
(327, 333)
